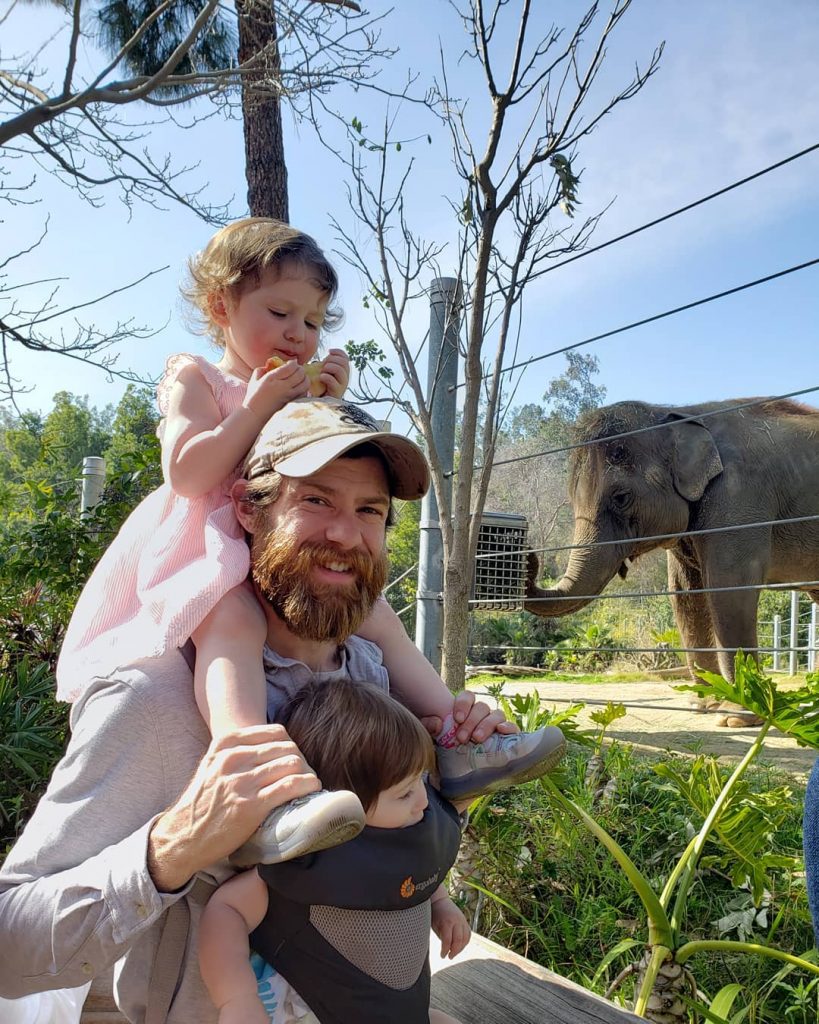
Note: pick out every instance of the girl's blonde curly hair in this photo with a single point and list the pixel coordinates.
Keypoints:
(235, 257)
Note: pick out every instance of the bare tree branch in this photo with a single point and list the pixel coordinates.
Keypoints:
(504, 224)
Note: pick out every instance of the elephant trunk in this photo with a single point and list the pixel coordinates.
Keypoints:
(588, 572)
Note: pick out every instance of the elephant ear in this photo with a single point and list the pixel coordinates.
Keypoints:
(695, 459)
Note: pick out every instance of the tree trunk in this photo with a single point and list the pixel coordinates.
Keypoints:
(265, 169)
(456, 622)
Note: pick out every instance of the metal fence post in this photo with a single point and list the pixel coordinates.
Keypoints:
(777, 641)
(93, 482)
(442, 376)
(813, 640)
(793, 660)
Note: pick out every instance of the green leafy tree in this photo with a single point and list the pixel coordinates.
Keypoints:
(134, 443)
(402, 543)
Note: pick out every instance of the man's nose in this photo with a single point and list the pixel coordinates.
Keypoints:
(344, 531)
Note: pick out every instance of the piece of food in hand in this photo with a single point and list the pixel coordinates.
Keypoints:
(273, 363)
(317, 387)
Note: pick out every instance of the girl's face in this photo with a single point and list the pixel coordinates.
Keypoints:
(401, 805)
(281, 316)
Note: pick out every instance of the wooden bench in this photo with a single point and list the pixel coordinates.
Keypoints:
(485, 984)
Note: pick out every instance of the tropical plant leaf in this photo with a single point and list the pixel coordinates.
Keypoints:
(724, 999)
(744, 830)
(795, 712)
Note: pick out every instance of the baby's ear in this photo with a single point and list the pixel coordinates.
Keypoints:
(218, 307)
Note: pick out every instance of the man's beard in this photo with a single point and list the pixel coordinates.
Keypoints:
(312, 610)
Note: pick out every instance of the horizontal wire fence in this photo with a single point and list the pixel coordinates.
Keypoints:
(785, 641)
(780, 639)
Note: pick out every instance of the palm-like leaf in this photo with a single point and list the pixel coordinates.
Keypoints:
(119, 20)
(743, 831)
(795, 712)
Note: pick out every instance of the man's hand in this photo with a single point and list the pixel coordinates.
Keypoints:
(450, 925)
(476, 721)
(240, 779)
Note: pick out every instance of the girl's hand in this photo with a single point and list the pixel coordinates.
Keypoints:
(450, 925)
(335, 372)
(269, 391)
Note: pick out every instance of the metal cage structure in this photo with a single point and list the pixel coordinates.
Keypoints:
(499, 579)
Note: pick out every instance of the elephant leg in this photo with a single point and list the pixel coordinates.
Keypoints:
(693, 617)
(734, 617)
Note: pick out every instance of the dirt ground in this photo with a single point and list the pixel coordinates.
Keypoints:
(659, 718)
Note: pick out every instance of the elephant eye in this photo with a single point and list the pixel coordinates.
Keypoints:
(621, 500)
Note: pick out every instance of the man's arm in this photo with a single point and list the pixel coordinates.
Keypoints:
(75, 889)
(113, 843)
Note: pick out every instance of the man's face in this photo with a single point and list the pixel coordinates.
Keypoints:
(318, 552)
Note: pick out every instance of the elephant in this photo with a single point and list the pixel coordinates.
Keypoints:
(694, 468)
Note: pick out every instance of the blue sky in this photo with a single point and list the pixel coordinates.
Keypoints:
(737, 90)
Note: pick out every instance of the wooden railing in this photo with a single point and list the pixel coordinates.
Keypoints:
(485, 984)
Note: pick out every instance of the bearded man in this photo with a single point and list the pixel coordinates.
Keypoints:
(142, 813)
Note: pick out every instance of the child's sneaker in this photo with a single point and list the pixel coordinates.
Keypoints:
(499, 762)
(308, 823)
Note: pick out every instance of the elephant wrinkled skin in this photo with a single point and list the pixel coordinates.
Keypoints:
(695, 471)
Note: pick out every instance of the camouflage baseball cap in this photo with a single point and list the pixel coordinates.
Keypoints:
(306, 435)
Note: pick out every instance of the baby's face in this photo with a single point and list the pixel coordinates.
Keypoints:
(280, 316)
(401, 805)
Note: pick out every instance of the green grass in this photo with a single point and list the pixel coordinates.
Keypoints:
(563, 677)
(595, 678)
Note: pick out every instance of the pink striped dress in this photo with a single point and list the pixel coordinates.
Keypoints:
(170, 563)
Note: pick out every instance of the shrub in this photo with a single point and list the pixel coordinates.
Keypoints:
(33, 729)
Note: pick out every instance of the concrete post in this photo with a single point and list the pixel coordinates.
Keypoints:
(442, 377)
(93, 481)
(777, 641)
(793, 660)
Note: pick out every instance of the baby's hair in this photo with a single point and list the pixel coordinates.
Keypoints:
(237, 255)
(355, 736)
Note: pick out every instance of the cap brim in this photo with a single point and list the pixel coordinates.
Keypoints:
(409, 470)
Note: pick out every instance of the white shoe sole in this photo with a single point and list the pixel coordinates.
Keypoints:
(341, 820)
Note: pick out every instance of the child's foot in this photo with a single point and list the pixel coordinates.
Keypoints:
(499, 762)
(309, 823)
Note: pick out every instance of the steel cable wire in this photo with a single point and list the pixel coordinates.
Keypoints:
(650, 319)
(682, 209)
(795, 585)
(654, 426)
(652, 537)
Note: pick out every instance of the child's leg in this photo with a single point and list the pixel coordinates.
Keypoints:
(229, 678)
(412, 679)
(231, 693)
(469, 769)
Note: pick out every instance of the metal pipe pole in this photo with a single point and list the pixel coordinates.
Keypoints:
(813, 640)
(442, 377)
(793, 660)
(777, 641)
(93, 482)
